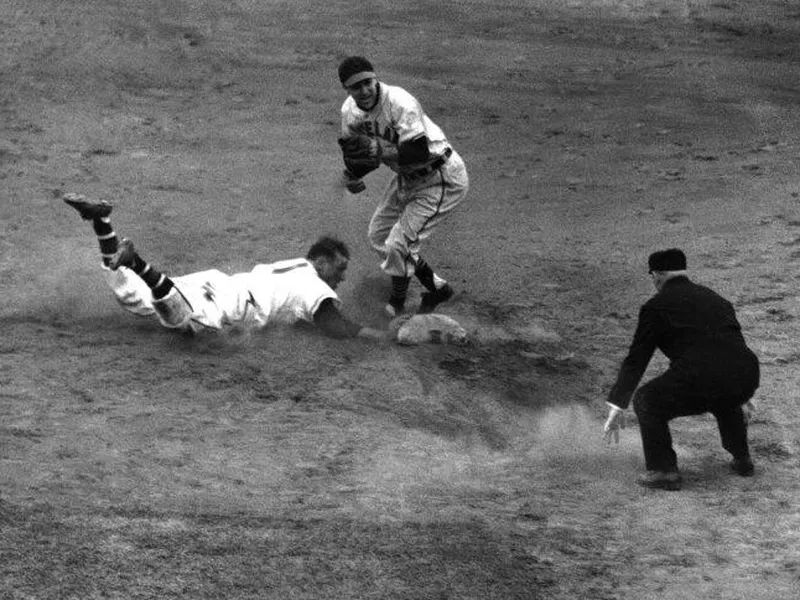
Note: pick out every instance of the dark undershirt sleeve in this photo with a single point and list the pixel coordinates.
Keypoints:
(414, 151)
(333, 323)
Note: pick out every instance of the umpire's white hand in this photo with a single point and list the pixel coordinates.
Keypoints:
(614, 422)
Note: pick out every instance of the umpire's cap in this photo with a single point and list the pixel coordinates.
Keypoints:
(672, 259)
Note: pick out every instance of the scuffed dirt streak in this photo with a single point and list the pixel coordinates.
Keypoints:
(139, 464)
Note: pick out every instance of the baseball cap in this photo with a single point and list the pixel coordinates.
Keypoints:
(354, 69)
(672, 259)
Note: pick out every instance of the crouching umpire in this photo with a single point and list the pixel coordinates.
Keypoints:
(711, 370)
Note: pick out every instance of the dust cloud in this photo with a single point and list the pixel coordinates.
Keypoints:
(569, 439)
(63, 285)
(556, 445)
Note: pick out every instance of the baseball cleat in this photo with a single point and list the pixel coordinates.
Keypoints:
(123, 257)
(89, 211)
(430, 300)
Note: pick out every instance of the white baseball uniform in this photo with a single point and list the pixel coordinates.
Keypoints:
(420, 196)
(284, 292)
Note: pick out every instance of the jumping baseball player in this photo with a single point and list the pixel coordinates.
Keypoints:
(300, 289)
(383, 124)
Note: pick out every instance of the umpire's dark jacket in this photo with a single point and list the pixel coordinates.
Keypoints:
(698, 332)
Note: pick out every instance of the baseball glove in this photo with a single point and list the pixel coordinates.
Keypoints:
(362, 154)
(354, 185)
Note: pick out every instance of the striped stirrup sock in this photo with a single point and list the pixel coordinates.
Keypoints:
(159, 283)
(399, 291)
(106, 237)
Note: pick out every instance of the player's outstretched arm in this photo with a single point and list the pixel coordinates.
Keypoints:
(334, 324)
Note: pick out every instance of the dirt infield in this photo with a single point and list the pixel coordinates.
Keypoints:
(136, 463)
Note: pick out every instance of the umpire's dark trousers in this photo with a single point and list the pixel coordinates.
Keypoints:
(716, 380)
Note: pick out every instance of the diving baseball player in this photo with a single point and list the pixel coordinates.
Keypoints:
(300, 289)
(383, 124)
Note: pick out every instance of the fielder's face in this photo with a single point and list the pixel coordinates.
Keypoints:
(365, 93)
(332, 271)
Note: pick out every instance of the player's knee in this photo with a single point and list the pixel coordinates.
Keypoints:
(376, 238)
(395, 247)
(643, 406)
(130, 301)
(173, 310)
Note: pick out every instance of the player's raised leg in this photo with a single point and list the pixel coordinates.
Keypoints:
(170, 305)
(99, 213)
(115, 253)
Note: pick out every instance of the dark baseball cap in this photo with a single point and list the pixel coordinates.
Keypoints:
(354, 69)
(672, 259)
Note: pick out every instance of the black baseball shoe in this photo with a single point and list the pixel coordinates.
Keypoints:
(88, 210)
(430, 300)
(395, 306)
(661, 480)
(743, 466)
(124, 255)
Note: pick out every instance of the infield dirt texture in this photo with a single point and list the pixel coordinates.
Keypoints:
(137, 464)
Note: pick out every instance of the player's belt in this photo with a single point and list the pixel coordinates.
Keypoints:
(434, 166)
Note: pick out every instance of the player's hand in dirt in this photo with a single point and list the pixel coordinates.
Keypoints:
(378, 335)
(614, 422)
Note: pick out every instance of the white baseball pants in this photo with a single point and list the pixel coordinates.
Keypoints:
(410, 211)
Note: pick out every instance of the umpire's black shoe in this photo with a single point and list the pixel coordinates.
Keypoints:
(430, 300)
(743, 466)
(89, 211)
(661, 480)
